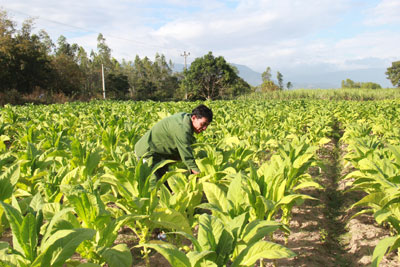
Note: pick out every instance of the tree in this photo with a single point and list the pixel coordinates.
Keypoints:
(350, 84)
(238, 88)
(117, 85)
(24, 64)
(268, 86)
(209, 77)
(69, 78)
(151, 80)
(370, 85)
(362, 85)
(289, 85)
(64, 48)
(104, 52)
(279, 77)
(7, 29)
(393, 73)
(91, 76)
(266, 75)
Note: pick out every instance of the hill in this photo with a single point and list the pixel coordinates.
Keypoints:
(313, 79)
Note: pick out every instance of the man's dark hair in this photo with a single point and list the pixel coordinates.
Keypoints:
(203, 111)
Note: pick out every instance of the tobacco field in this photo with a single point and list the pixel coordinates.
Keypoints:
(300, 182)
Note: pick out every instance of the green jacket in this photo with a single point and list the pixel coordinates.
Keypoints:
(170, 138)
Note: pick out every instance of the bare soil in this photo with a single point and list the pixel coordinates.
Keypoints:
(7, 237)
(324, 232)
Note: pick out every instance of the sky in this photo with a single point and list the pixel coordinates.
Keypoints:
(302, 36)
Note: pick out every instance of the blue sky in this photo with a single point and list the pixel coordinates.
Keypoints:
(291, 35)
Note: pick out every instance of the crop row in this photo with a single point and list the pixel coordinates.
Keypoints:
(69, 179)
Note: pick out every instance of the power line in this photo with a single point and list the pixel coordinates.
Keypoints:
(87, 30)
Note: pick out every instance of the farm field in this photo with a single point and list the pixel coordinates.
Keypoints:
(302, 182)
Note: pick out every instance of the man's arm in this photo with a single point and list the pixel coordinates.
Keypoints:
(183, 143)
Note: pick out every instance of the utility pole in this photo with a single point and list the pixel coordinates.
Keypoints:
(185, 55)
(104, 83)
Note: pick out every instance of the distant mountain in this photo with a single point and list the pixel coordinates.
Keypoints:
(247, 74)
(314, 79)
(334, 79)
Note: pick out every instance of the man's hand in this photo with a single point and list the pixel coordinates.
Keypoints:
(195, 172)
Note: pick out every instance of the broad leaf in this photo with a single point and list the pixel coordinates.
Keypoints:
(118, 256)
(174, 256)
(381, 249)
(170, 219)
(61, 246)
(262, 249)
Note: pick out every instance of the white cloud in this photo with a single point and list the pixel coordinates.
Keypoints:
(386, 12)
(255, 21)
(258, 34)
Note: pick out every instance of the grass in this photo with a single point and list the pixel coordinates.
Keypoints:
(328, 94)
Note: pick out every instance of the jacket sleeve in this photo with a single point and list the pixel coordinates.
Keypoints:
(183, 142)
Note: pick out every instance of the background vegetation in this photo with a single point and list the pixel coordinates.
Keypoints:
(34, 69)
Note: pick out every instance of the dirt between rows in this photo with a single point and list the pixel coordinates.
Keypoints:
(323, 232)
(310, 239)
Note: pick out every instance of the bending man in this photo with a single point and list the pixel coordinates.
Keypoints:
(172, 137)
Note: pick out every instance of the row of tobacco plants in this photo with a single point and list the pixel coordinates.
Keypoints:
(372, 141)
(69, 180)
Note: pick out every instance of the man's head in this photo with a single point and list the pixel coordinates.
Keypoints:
(201, 117)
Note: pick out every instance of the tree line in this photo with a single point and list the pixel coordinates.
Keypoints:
(32, 65)
(348, 83)
(269, 85)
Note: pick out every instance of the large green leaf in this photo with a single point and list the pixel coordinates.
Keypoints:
(3, 138)
(174, 256)
(215, 195)
(382, 215)
(61, 246)
(170, 219)
(303, 159)
(308, 184)
(15, 219)
(206, 166)
(262, 249)
(118, 256)
(84, 206)
(10, 260)
(256, 230)
(60, 218)
(8, 179)
(210, 230)
(236, 225)
(374, 198)
(381, 249)
(29, 236)
(195, 257)
(293, 197)
(235, 194)
(224, 248)
(92, 161)
(110, 232)
(6, 189)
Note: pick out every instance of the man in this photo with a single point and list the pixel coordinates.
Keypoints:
(172, 137)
